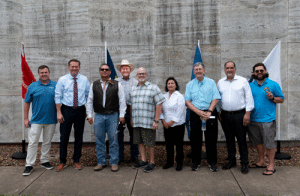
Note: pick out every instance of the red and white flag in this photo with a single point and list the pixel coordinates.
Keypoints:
(27, 75)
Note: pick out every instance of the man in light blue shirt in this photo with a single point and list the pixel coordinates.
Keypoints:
(43, 120)
(262, 129)
(71, 94)
(201, 97)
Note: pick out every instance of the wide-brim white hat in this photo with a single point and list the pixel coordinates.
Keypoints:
(126, 63)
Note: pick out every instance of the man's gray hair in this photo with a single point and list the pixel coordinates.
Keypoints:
(198, 63)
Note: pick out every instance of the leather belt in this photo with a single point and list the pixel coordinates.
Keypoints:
(234, 112)
(72, 106)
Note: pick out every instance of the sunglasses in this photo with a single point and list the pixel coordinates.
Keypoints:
(260, 70)
(104, 69)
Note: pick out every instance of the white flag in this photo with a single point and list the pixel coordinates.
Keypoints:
(272, 63)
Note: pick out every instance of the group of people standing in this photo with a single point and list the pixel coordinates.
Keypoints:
(240, 107)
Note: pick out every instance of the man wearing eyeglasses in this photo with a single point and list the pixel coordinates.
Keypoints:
(201, 97)
(262, 129)
(107, 98)
(145, 100)
(236, 104)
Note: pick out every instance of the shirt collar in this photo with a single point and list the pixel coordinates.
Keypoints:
(124, 79)
(39, 81)
(109, 80)
(146, 83)
(202, 82)
(71, 77)
(234, 78)
(265, 82)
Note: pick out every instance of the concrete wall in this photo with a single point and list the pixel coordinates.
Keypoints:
(160, 35)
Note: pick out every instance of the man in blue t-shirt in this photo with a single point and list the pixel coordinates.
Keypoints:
(262, 129)
(41, 94)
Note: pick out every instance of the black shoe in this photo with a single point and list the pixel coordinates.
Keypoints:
(195, 166)
(47, 165)
(213, 167)
(245, 169)
(167, 166)
(179, 167)
(27, 171)
(229, 165)
(140, 164)
(149, 168)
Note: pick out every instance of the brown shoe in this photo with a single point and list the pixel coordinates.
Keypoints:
(99, 167)
(78, 166)
(114, 168)
(60, 167)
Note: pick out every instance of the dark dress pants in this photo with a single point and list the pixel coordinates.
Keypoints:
(211, 138)
(74, 117)
(232, 124)
(174, 136)
(134, 148)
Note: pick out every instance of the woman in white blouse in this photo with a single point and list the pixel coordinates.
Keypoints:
(173, 120)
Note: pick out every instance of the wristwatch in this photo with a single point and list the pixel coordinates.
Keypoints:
(210, 111)
(156, 121)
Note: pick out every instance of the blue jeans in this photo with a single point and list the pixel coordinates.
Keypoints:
(134, 148)
(107, 123)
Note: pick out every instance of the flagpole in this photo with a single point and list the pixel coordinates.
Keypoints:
(105, 53)
(106, 142)
(23, 154)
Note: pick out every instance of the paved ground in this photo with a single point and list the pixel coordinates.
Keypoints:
(128, 181)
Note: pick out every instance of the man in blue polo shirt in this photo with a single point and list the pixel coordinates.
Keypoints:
(41, 94)
(201, 97)
(262, 129)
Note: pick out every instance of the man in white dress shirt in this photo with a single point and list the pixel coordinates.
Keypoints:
(236, 105)
(107, 98)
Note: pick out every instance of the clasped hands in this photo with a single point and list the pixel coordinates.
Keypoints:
(204, 115)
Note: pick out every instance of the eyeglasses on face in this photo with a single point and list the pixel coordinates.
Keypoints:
(259, 70)
(141, 74)
(104, 69)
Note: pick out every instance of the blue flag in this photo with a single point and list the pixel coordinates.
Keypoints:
(113, 74)
(197, 59)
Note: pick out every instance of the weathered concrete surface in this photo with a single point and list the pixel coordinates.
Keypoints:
(84, 182)
(285, 181)
(185, 182)
(128, 181)
(160, 35)
(12, 182)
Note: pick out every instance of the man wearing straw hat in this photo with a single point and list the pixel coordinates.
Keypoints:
(127, 82)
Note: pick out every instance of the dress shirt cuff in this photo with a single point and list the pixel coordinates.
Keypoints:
(175, 119)
(89, 115)
(249, 109)
(122, 114)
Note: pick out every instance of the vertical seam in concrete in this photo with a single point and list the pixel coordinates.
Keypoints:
(288, 66)
(137, 171)
(32, 182)
(238, 183)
